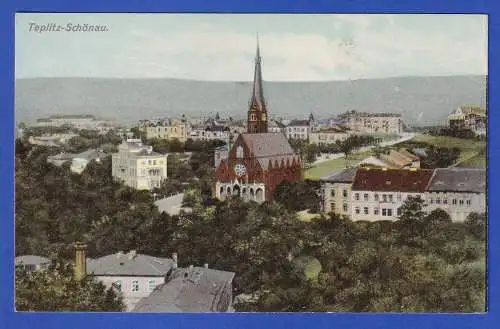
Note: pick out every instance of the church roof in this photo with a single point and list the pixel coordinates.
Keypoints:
(269, 146)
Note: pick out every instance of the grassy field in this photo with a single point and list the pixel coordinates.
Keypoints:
(468, 147)
(324, 168)
(471, 154)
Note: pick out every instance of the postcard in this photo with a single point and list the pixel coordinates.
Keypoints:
(251, 163)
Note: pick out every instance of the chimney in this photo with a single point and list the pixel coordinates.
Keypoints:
(80, 260)
(174, 258)
(205, 265)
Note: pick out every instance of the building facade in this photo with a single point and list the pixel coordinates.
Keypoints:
(377, 194)
(469, 117)
(164, 129)
(373, 123)
(300, 129)
(132, 275)
(258, 161)
(328, 136)
(138, 166)
(458, 191)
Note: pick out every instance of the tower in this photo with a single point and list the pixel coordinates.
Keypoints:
(257, 112)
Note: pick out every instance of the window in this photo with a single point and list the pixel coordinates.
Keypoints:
(391, 198)
(345, 193)
(239, 152)
(399, 196)
(376, 211)
(454, 201)
(384, 212)
(376, 196)
(365, 211)
(154, 162)
(356, 196)
(357, 210)
(149, 162)
(344, 207)
(468, 203)
(365, 196)
(135, 285)
(332, 192)
(332, 206)
(389, 212)
(461, 202)
(151, 285)
(384, 197)
(431, 201)
(438, 201)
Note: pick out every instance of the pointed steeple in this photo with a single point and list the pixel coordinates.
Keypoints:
(258, 90)
(257, 113)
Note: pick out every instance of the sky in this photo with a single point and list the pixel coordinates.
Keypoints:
(221, 47)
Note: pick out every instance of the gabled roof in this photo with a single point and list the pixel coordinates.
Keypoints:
(269, 146)
(120, 264)
(299, 123)
(458, 180)
(344, 176)
(195, 289)
(392, 180)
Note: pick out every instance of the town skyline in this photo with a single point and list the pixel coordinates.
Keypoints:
(211, 47)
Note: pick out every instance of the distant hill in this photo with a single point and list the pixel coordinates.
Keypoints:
(421, 100)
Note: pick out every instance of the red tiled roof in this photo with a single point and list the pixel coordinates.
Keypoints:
(392, 180)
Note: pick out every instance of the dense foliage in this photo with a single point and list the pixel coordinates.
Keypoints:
(423, 262)
(55, 289)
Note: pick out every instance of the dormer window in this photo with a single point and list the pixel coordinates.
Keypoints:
(239, 152)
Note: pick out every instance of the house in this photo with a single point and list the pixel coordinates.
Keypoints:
(76, 121)
(300, 129)
(168, 129)
(470, 117)
(336, 191)
(373, 123)
(133, 275)
(258, 161)
(32, 262)
(329, 135)
(192, 289)
(276, 126)
(458, 191)
(138, 166)
(377, 194)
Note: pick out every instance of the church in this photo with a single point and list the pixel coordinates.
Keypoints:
(258, 161)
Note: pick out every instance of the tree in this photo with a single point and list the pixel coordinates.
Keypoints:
(345, 146)
(56, 289)
(412, 215)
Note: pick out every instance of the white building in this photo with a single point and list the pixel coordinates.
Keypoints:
(32, 262)
(138, 166)
(458, 191)
(300, 129)
(373, 123)
(133, 275)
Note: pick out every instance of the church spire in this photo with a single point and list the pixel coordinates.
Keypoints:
(257, 113)
(258, 90)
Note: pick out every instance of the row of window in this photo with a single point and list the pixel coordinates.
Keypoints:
(377, 211)
(344, 206)
(460, 202)
(366, 196)
(135, 285)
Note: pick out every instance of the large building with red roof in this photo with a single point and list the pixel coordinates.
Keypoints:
(259, 160)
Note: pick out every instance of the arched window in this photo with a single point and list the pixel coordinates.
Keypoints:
(239, 152)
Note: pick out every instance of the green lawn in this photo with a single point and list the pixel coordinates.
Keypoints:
(468, 147)
(310, 266)
(306, 216)
(325, 168)
(478, 161)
